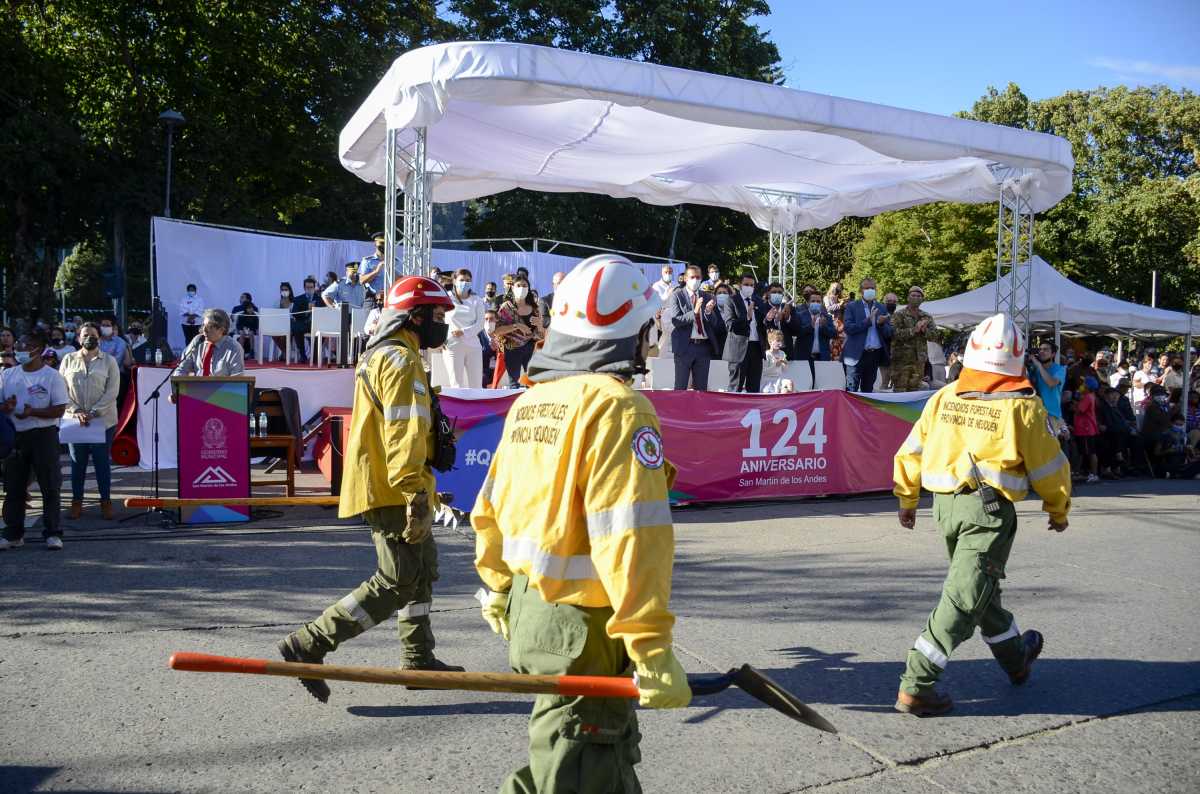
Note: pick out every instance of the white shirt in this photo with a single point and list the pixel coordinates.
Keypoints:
(750, 317)
(40, 389)
(190, 305)
(663, 289)
(1140, 380)
(466, 316)
(699, 313)
(816, 326)
(1115, 378)
(874, 341)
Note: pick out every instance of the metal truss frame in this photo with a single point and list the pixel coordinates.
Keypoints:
(1014, 250)
(783, 247)
(407, 173)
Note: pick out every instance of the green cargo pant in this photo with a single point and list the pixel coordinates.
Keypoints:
(576, 744)
(978, 545)
(402, 584)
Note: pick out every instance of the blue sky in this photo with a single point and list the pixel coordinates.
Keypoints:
(941, 56)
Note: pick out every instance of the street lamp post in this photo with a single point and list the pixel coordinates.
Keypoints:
(170, 119)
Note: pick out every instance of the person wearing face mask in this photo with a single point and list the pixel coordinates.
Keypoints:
(714, 278)
(490, 298)
(190, 309)
(302, 306)
(743, 316)
(779, 316)
(663, 288)
(813, 329)
(912, 330)
(462, 353)
(347, 290)
(140, 348)
(868, 326)
(388, 480)
(34, 396)
(487, 346)
(93, 381)
(519, 327)
(835, 304)
(574, 538)
(696, 331)
(114, 344)
(60, 342)
(245, 320)
(371, 267)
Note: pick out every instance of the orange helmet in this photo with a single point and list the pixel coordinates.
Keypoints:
(412, 291)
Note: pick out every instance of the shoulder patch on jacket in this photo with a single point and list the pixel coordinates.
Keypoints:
(647, 447)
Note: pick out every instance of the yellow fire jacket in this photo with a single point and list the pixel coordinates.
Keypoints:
(386, 459)
(1006, 432)
(576, 499)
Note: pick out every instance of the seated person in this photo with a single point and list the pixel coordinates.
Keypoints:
(245, 319)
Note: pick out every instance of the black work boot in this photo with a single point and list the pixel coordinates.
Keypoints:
(928, 704)
(291, 651)
(432, 663)
(1032, 642)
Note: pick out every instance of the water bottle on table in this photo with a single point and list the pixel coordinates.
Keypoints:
(262, 424)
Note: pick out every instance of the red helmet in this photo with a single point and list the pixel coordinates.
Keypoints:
(412, 291)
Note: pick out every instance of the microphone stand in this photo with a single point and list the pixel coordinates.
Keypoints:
(165, 519)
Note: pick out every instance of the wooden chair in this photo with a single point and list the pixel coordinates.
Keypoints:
(267, 401)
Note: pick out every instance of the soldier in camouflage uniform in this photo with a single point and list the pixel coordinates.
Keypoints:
(913, 328)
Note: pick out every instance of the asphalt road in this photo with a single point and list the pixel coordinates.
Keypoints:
(825, 596)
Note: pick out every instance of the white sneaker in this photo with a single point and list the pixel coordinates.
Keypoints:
(6, 544)
(54, 543)
(1093, 478)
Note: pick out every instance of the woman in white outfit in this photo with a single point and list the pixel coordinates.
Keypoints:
(462, 353)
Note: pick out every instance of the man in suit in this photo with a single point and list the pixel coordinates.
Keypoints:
(778, 317)
(696, 331)
(743, 352)
(812, 328)
(868, 327)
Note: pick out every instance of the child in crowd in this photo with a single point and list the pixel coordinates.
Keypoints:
(775, 364)
(1086, 428)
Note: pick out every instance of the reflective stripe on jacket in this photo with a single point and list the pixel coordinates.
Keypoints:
(1008, 434)
(576, 499)
(386, 458)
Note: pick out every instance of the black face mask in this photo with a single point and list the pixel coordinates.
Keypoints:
(491, 292)
(90, 343)
(431, 333)
(891, 307)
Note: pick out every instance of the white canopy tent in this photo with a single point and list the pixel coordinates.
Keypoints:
(500, 116)
(1058, 300)
(1062, 305)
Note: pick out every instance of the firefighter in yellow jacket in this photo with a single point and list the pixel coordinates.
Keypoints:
(574, 537)
(387, 479)
(980, 444)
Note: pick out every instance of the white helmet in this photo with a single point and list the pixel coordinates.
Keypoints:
(603, 297)
(996, 346)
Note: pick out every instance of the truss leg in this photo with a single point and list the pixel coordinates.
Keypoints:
(781, 264)
(412, 212)
(1014, 252)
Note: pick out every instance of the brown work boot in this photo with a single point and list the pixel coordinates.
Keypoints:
(76, 509)
(291, 651)
(929, 704)
(106, 509)
(434, 664)
(1033, 642)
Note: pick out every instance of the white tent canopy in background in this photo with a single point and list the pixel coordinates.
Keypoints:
(224, 262)
(1077, 308)
(504, 115)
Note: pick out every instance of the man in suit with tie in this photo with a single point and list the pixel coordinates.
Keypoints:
(743, 352)
(868, 327)
(696, 331)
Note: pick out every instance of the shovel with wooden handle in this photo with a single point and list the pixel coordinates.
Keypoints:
(746, 678)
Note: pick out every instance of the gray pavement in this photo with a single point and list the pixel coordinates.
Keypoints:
(826, 596)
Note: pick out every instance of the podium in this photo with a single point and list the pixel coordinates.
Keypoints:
(212, 428)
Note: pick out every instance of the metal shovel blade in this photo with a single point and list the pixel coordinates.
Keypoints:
(760, 686)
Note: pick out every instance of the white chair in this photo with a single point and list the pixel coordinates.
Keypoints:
(662, 373)
(718, 375)
(326, 322)
(830, 376)
(275, 322)
(800, 374)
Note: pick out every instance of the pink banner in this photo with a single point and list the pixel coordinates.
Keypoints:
(214, 447)
(734, 447)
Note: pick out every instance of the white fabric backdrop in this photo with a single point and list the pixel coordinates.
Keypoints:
(503, 115)
(223, 263)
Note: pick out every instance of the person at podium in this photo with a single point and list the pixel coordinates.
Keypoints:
(213, 351)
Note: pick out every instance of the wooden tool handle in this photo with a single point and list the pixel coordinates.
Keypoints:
(567, 685)
(251, 501)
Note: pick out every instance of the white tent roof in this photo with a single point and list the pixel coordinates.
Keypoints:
(502, 116)
(1081, 308)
